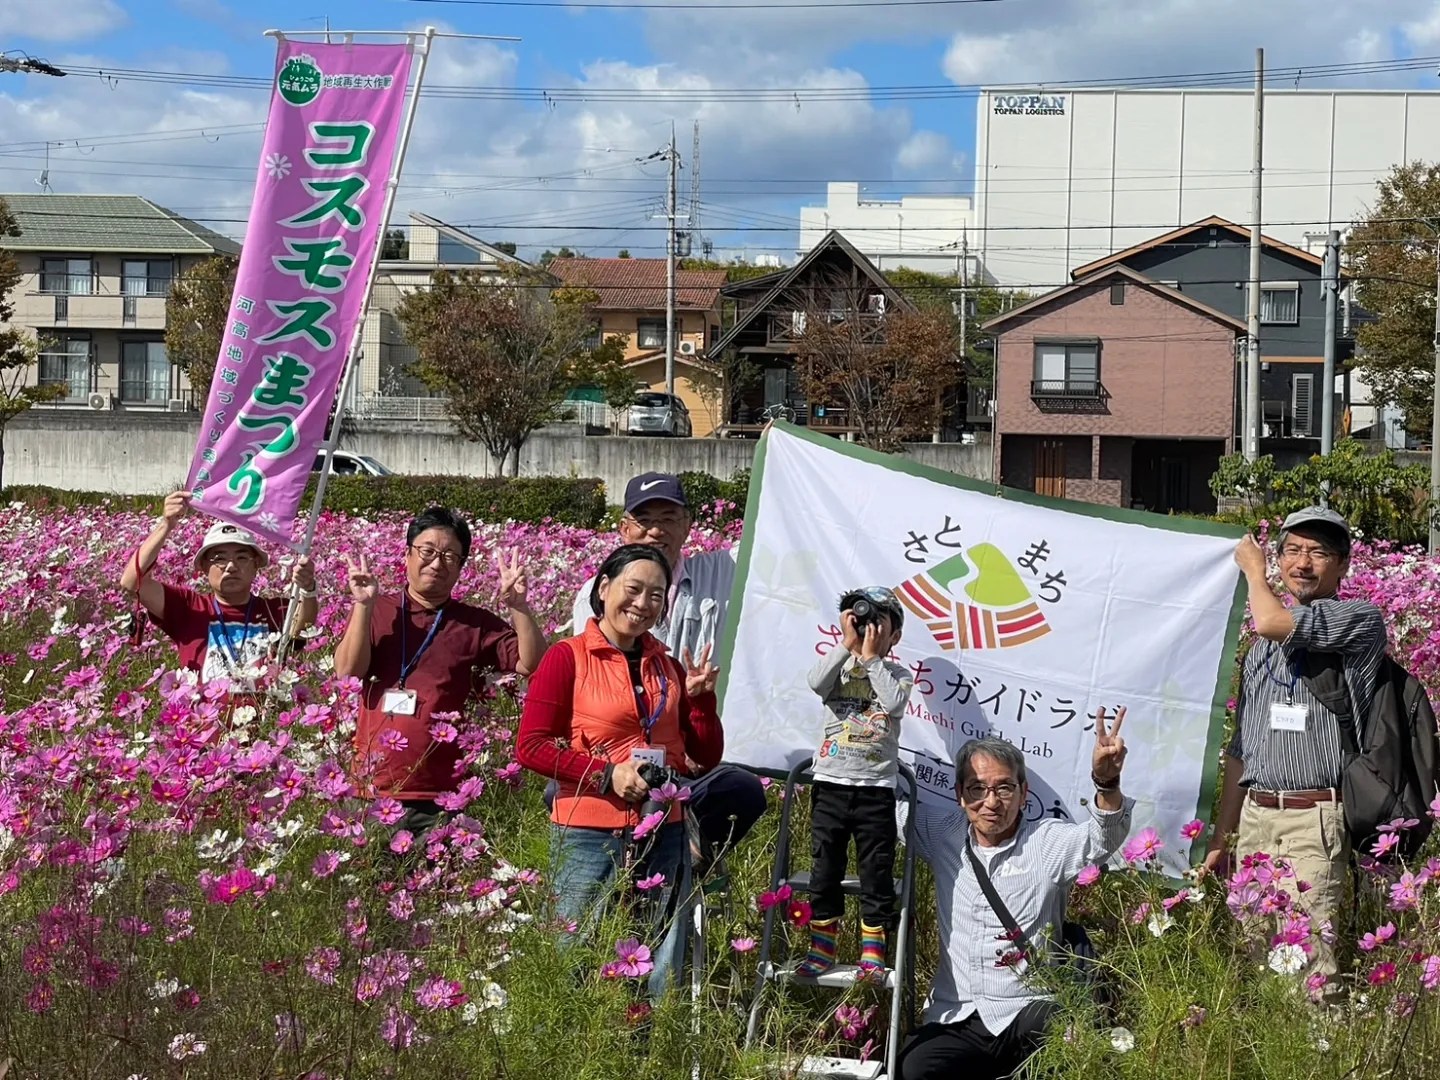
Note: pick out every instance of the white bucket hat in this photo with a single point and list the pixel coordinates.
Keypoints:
(222, 533)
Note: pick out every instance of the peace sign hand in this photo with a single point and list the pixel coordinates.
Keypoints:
(514, 588)
(364, 586)
(699, 677)
(1109, 757)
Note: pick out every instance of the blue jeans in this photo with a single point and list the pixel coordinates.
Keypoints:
(588, 871)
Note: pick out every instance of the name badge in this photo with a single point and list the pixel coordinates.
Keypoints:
(398, 702)
(651, 755)
(1287, 717)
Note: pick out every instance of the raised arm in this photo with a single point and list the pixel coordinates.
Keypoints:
(514, 594)
(352, 655)
(135, 578)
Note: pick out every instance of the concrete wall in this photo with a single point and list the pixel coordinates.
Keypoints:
(143, 455)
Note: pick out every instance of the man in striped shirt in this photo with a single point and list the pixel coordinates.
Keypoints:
(984, 1018)
(1282, 768)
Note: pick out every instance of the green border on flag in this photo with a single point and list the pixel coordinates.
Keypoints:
(1210, 771)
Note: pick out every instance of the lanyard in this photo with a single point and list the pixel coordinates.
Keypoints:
(647, 723)
(407, 668)
(1294, 677)
(227, 645)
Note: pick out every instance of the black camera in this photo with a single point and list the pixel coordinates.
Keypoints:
(865, 613)
(869, 606)
(656, 776)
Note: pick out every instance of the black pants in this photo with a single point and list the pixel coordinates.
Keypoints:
(943, 1051)
(421, 815)
(838, 812)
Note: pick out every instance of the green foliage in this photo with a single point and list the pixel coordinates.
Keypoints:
(196, 313)
(579, 502)
(735, 270)
(605, 368)
(703, 492)
(1380, 497)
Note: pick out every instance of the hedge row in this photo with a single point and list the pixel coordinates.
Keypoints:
(570, 501)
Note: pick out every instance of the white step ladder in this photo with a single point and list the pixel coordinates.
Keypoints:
(899, 977)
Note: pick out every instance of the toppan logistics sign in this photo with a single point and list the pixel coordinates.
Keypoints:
(1029, 104)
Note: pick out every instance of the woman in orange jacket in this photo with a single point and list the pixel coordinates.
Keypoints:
(604, 710)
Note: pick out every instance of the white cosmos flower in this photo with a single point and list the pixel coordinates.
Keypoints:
(1122, 1039)
(1287, 959)
(186, 1046)
(495, 996)
(218, 846)
(163, 988)
(1160, 922)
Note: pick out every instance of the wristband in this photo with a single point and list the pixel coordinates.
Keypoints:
(1113, 785)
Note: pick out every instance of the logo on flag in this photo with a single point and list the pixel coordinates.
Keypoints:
(975, 600)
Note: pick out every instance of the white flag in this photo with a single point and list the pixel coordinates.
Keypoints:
(1023, 616)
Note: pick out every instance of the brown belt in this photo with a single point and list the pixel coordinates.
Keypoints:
(1292, 800)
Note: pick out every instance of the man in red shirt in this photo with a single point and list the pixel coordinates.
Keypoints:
(227, 632)
(420, 653)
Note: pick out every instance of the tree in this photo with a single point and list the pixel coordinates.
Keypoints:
(604, 368)
(196, 316)
(395, 245)
(1391, 255)
(547, 256)
(624, 253)
(507, 246)
(18, 350)
(504, 349)
(890, 369)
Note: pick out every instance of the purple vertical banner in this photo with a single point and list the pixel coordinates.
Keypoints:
(317, 215)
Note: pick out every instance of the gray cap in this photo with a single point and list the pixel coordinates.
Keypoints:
(1325, 519)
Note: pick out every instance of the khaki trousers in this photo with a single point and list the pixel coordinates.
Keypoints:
(1316, 845)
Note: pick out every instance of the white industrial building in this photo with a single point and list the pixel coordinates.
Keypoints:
(1064, 178)
(918, 232)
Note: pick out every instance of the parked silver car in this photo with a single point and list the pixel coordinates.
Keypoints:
(659, 414)
(349, 463)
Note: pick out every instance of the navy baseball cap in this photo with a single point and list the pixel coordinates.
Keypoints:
(650, 486)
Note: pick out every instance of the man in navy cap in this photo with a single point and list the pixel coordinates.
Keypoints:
(727, 800)
(1282, 768)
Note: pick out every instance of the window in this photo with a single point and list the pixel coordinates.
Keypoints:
(1117, 293)
(1280, 303)
(146, 277)
(67, 363)
(144, 372)
(1067, 367)
(68, 277)
(650, 334)
(1302, 398)
(593, 340)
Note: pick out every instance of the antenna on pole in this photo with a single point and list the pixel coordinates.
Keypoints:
(707, 248)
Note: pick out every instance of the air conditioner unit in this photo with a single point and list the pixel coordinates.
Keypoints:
(686, 348)
(175, 404)
(101, 402)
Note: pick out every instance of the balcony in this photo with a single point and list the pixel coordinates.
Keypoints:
(93, 311)
(1070, 395)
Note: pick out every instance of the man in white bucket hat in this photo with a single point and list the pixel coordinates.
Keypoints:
(225, 633)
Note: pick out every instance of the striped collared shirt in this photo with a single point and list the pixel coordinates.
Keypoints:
(1280, 760)
(1032, 874)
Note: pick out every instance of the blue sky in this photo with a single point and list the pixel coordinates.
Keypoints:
(567, 175)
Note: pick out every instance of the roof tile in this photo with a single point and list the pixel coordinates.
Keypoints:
(639, 284)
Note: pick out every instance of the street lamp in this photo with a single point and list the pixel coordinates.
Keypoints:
(24, 64)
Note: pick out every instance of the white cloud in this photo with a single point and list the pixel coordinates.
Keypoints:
(74, 20)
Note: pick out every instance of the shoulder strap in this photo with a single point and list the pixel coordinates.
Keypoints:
(1017, 935)
(1324, 675)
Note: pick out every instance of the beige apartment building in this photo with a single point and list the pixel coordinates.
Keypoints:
(96, 270)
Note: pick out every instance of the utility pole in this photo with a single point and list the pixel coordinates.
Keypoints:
(1251, 410)
(1332, 306)
(670, 268)
(28, 65)
(1435, 416)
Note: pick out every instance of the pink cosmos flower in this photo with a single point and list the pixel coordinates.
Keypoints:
(397, 1029)
(322, 965)
(1385, 843)
(1381, 974)
(1435, 808)
(767, 900)
(325, 864)
(648, 825)
(230, 886)
(386, 810)
(1191, 829)
(1088, 876)
(1382, 934)
(401, 906)
(1144, 846)
(799, 913)
(1315, 986)
(742, 944)
(1140, 914)
(402, 841)
(509, 774)
(655, 881)
(1405, 893)
(1430, 973)
(435, 994)
(41, 997)
(393, 740)
(1170, 903)
(632, 961)
(1398, 825)
(637, 1012)
(443, 732)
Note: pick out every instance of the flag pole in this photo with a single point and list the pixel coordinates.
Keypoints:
(392, 185)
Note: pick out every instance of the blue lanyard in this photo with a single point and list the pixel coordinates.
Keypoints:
(649, 722)
(226, 643)
(407, 668)
(1294, 677)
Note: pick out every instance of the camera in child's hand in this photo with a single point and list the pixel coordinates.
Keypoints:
(866, 614)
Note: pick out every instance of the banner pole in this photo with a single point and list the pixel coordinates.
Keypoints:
(392, 185)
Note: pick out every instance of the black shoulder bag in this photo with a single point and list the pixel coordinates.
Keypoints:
(1077, 952)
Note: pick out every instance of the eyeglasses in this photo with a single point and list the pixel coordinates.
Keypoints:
(241, 559)
(978, 793)
(664, 519)
(448, 559)
(1315, 555)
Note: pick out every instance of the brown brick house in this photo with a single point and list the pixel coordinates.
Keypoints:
(1115, 389)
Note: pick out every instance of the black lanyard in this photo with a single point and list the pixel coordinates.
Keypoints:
(227, 645)
(1290, 665)
(407, 668)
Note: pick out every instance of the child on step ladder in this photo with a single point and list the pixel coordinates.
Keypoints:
(855, 774)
